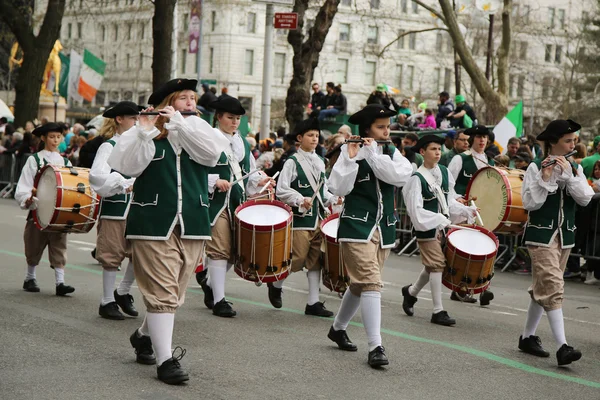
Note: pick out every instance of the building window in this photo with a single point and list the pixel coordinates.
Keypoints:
(546, 83)
(141, 60)
(69, 30)
(79, 30)
(80, 4)
(114, 60)
(183, 60)
(437, 78)
(128, 61)
(344, 32)
(247, 104)
(279, 67)
(548, 54)
(412, 41)
(370, 69)
(449, 44)
(374, 4)
(347, 3)
(561, 18)
(249, 63)
(520, 86)
(523, 51)
(400, 41)
(211, 60)
(526, 10)
(143, 30)
(399, 71)
(186, 22)
(511, 86)
(447, 79)
(251, 23)
(438, 42)
(415, 8)
(558, 55)
(372, 35)
(116, 37)
(100, 97)
(213, 20)
(342, 70)
(404, 6)
(409, 76)
(129, 31)
(551, 16)
(103, 33)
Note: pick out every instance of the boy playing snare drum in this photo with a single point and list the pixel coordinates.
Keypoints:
(431, 203)
(36, 240)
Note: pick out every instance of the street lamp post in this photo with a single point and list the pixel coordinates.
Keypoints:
(56, 98)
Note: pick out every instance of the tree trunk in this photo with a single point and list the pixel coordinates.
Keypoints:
(36, 50)
(162, 34)
(306, 57)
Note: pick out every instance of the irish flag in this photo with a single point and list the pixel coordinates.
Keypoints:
(90, 77)
(510, 126)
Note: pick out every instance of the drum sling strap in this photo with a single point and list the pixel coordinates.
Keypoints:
(310, 171)
(42, 162)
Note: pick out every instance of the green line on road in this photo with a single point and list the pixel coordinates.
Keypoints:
(478, 353)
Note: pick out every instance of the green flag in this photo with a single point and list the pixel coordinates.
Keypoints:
(63, 83)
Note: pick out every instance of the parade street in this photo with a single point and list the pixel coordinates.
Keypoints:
(59, 348)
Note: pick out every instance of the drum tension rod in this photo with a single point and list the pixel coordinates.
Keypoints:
(80, 187)
(73, 171)
(76, 208)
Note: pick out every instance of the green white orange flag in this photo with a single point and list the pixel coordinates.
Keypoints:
(90, 77)
(510, 126)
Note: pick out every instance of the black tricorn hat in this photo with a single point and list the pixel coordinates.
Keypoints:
(557, 128)
(174, 85)
(228, 104)
(47, 128)
(369, 114)
(123, 108)
(478, 130)
(425, 140)
(311, 124)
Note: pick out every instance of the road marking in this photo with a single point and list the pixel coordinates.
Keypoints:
(85, 243)
(468, 350)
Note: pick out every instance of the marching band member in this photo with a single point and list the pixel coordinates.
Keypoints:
(366, 177)
(303, 175)
(431, 204)
(462, 167)
(115, 189)
(550, 193)
(235, 162)
(35, 240)
(168, 220)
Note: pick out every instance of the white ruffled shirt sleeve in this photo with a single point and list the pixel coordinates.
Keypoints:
(423, 220)
(458, 212)
(455, 166)
(284, 191)
(252, 187)
(134, 151)
(25, 184)
(343, 174)
(395, 170)
(102, 180)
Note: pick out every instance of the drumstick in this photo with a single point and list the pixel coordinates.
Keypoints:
(313, 197)
(462, 227)
(267, 184)
(477, 213)
(245, 176)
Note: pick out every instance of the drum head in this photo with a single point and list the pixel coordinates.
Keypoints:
(46, 193)
(330, 228)
(263, 215)
(470, 242)
(490, 187)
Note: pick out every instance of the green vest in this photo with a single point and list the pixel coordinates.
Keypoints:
(302, 185)
(542, 224)
(115, 207)
(430, 201)
(369, 205)
(236, 195)
(169, 184)
(468, 170)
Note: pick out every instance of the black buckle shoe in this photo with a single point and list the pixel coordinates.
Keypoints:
(485, 298)
(467, 298)
(126, 303)
(442, 318)
(567, 354)
(170, 371)
(31, 286)
(111, 311)
(93, 254)
(143, 349)
(318, 309)
(341, 339)
(200, 276)
(63, 290)
(408, 302)
(532, 345)
(223, 309)
(377, 357)
(209, 300)
(275, 296)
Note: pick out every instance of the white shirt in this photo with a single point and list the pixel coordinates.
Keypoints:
(102, 180)
(392, 170)
(25, 184)
(135, 149)
(456, 164)
(289, 174)
(424, 220)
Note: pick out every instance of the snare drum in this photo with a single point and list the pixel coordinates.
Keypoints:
(470, 258)
(498, 193)
(335, 275)
(263, 238)
(67, 203)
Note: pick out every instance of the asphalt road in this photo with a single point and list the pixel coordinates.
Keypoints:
(59, 348)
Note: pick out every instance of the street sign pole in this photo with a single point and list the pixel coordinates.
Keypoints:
(265, 112)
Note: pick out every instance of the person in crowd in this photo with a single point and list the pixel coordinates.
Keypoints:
(404, 112)
(581, 153)
(588, 162)
(265, 160)
(381, 96)
(445, 108)
(316, 97)
(512, 148)
(345, 130)
(461, 144)
(429, 120)
(457, 117)
(502, 160)
(206, 98)
(522, 161)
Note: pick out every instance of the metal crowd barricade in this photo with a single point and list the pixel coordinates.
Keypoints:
(7, 172)
(404, 228)
(587, 235)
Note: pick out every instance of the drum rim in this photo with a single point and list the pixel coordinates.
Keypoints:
(461, 253)
(506, 182)
(58, 201)
(264, 228)
(330, 239)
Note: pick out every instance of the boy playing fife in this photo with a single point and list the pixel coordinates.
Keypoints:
(431, 204)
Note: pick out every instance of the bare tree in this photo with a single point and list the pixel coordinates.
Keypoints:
(306, 56)
(36, 49)
(162, 31)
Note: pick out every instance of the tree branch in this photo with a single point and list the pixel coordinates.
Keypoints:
(18, 24)
(49, 31)
(431, 10)
(504, 49)
(387, 46)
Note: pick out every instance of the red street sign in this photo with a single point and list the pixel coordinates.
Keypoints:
(286, 21)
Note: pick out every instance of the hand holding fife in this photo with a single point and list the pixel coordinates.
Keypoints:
(147, 121)
(353, 148)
